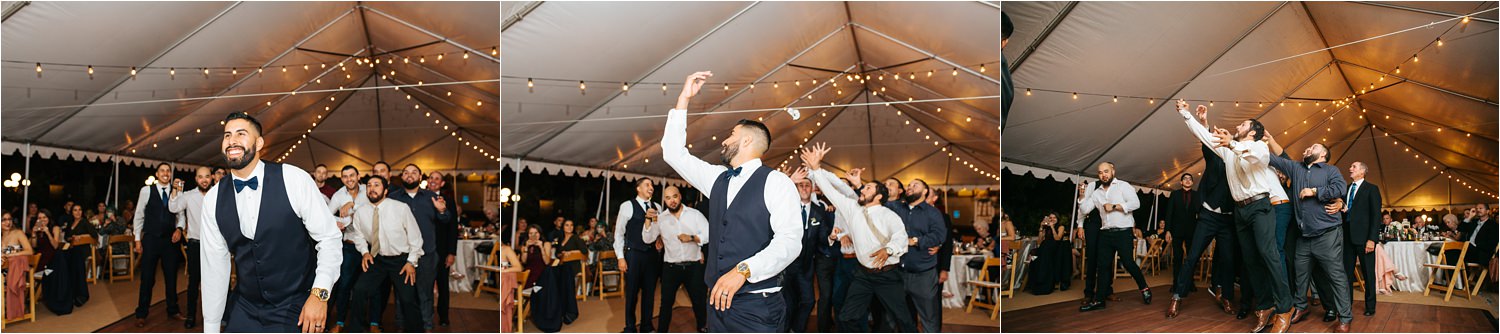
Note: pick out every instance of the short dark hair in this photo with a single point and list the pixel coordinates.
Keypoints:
(760, 129)
(348, 167)
(1186, 175)
(245, 116)
(382, 162)
(217, 169)
(880, 190)
(644, 179)
(1006, 27)
(1260, 129)
(321, 165)
(383, 181)
(899, 184)
(159, 164)
(419, 168)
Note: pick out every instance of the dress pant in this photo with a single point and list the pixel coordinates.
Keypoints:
(195, 279)
(1113, 243)
(797, 288)
(1090, 259)
(1256, 227)
(640, 285)
(1180, 245)
(843, 275)
(750, 313)
(158, 251)
(244, 316)
(443, 299)
(385, 269)
(823, 272)
(887, 288)
(1325, 251)
(343, 289)
(1366, 268)
(427, 271)
(688, 275)
(1212, 227)
(926, 296)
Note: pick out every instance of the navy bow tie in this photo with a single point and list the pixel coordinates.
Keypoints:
(253, 183)
(732, 172)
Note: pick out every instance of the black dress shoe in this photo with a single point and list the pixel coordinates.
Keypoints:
(628, 330)
(1146, 296)
(1369, 312)
(190, 323)
(1093, 306)
(1242, 314)
(1329, 316)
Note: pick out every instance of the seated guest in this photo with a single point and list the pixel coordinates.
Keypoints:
(1048, 266)
(509, 261)
(1449, 229)
(553, 303)
(535, 252)
(17, 264)
(57, 289)
(78, 256)
(1479, 231)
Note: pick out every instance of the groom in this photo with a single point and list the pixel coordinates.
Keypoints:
(753, 220)
(273, 220)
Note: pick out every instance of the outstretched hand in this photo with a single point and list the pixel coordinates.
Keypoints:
(693, 83)
(799, 175)
(854, 175)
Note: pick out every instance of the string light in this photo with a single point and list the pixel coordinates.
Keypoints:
(38, 70)
(91, 72)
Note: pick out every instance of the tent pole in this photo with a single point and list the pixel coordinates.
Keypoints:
(116, 184)
(515, 208)
(26, 188)
(1076, 224)
(927, 53)
(607, 177)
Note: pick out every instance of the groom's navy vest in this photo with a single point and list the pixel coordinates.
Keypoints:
(277, 265)
(739, 229)
(159, 222)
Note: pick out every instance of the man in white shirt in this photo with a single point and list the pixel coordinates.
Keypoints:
(879, 239)
(285, 245)
(683, 230)
(342, 203)
(1255, 188)
(634, 247)
(189, 205)
(1116, 202)
(157, 232)
(753, 218)
(390, 244)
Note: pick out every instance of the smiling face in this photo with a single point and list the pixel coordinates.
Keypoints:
(241, 143)
(893, 187)
(381, 169)
(644, 189)
(350, 177)
(567, 227)
(8, 222)
(320, 173)
(204, 177)
(163, 173)
(804, 190)
(869, 193)
(435, 181)
(411, 176)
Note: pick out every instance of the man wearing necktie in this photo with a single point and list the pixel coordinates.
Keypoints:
(157, 232)
(753, 220)
(800, 297)
(1362, 218)
(274, 224)
(637, 254)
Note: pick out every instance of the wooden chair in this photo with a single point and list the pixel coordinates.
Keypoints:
(1478, 279)
(579, 278)
(88, 242)
(32, 289)
(1151, 261)
(491, 266)
(1206, 262)
(985, 282)
(1458, 269)
(523, 298)
(129, 257)
(1009, 286)
(599, 278)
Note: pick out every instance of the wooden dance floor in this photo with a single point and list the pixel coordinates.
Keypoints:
(463, 320)
(1199, 315)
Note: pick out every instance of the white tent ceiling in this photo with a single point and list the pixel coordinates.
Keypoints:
(113, 112)
(1429, 132)
(608, 44)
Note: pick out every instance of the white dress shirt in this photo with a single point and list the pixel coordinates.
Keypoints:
(866, 242)
(691, 222)
(140, 207)
(189, 206)
(307, 203)
(338, 200)
(399, 233)
(840, 219)
(648, 233)
(1118, 192)
(780, 199)
(1246, 164)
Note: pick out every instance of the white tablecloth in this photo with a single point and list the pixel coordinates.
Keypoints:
(464, 261)
(959, 274)
(1409, 257)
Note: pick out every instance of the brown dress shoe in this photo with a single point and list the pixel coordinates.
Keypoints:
(1228, 308)
(1342, 327)
(1282, 322)
(1262, 320)
(140, 322)
(1172, 308)
(178, 317)
(1298, 314)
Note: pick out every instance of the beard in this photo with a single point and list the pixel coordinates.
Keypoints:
(374, 198)
(1309, 159)
(244, 159)
(674, 208)
(911, 197)
(409, 185)
(727, 154)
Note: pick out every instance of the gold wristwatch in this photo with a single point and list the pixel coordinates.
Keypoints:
(743, 270)
(321, 293)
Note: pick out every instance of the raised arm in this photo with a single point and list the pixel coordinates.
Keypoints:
(674, 140)
(1198, 129)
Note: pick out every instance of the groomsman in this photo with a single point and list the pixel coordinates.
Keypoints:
(753, 217)
(800, 297)
(157, 232)
(1319, 199)
(343, 203)
(879, 239)
(826, 259)
(683, 231)
(285, 246)
(432, 213)
(1362, 217)
(1116, 201)
(638, 258)
(190, 206)
(391, 245)
(926, 233)
(320, 177)
(383, 169)
(1179, 217)
(1215, 223)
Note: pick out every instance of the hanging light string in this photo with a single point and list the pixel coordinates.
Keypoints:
(725, 112)
(42, 66)
(232, 96)
(852, 76)
(1433, 162)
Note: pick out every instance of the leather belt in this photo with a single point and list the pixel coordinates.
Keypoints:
(681, 264)
(1117, 229)
(1252, 199)
(879, 270)
(1280, 202)
(848, 256)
